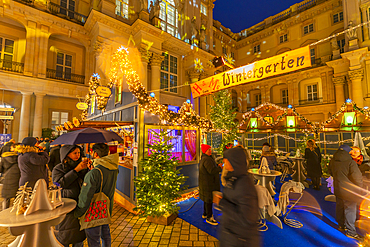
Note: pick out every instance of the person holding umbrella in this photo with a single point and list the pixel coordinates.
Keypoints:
(69, 175)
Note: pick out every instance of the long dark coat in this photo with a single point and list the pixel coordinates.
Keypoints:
(313, 162)
(209, 178)
(347, 177)
(9, 166)
(54, 157)
(239, 205)
(68, 231)
(33, 167)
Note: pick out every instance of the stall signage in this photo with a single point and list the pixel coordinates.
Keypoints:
(82, 106)
(103, 91)
(6, 117)
(6, 109)
(276, 65)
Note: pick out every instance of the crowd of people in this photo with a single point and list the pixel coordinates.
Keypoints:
(239, 201)
(78, 177)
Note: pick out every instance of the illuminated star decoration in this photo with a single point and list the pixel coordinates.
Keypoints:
(230, 59)
(123, 48)
(96, 75)
(198, 65)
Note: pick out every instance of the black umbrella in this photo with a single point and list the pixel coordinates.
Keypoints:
(87, 135)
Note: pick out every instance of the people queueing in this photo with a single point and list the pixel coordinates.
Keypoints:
(269, 155)
(209, 181)
(69, 175)
(313, 167)
(108, 164)
(9, 167)
(347, 186)
(54, 157)
(32, 163)
(239, 203)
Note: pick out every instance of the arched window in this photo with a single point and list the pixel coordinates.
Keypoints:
(169, 16)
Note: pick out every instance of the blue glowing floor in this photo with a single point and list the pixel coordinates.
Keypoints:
(318, 219)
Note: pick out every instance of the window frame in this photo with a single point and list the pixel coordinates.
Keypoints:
(65, 53)
(283, 38)
(122, 10)
(313, 55)
(163, 16)
(203, 9)
(284, 98)
(339, 16)
(256, 48)
(311, 86)
(4, 53)
(308, 29)
(67, 12)
(169, 73)
(258, 99)
(51, 125)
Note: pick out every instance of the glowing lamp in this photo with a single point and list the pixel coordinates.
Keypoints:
(152, 95)
(366, 107)
(290, 106)
(290, 121)
(188, 101)
(348, 100)
(349, 118)
(253, 122)
(252, 109)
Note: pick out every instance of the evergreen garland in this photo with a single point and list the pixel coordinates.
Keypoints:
(223, 115)
(158, 183)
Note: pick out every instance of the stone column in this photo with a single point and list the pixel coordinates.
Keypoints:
(24, 125)
(37, 122)
(145, 56)
(155, 63)
(202, 99)
(42, 47)
(30, 48)
(194, 77)
(339, 90)
(293, 92)
(356, 77)
(364, 9)
(244, 101)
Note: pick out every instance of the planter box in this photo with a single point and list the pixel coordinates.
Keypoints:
(162, 220)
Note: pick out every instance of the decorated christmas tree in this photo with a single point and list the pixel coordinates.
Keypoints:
(223, 116)
(159, 182)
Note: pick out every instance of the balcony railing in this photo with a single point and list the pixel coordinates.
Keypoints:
(56, 9)
(309, 102)
(52, 73)
(11, 66)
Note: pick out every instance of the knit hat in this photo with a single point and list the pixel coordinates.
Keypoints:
(345, 148)
(265, 148)
(205, 147)
(29, 141)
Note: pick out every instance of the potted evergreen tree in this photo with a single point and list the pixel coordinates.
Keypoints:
(159, 182)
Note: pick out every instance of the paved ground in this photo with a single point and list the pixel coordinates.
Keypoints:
(130, 230)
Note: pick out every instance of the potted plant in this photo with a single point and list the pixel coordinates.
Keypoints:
(159, 181)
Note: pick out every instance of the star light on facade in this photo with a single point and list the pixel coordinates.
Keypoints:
(229, 59)
(198, 65)
(123, 48)
(96, 75)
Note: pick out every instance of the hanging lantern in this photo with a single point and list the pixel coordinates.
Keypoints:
(290, 121)
(349, 118)
(253, 122)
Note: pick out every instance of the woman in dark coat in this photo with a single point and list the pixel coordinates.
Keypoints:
(209, 180)
(32, 163)
(69, 175)
(239, 204)
(313, 158)
(9, 167)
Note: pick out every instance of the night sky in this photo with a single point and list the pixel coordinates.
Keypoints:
(241, 14)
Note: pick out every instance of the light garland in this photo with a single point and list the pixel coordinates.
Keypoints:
(187, 196)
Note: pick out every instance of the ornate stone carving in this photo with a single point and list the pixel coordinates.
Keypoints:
(357, 74)
(352, 33)
(156, 59)
(339, 80)
(193, 74)
(145, 54)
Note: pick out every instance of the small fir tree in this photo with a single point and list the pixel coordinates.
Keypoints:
(223, 115)
(159, 182)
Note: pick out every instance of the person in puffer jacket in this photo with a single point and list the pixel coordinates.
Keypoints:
(32, 163)
(9, 167)
(69, 176)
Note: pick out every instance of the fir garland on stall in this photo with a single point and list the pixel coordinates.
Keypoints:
(158, 184)
(223, 117)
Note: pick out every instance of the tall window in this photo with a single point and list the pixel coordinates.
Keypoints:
(256, 49)
(234, 98)
(258, 99)
(64, 66)
(169, 16)
(224, 50)
(283, 38)
(203, 9)
(312, 92)
(341, 44)
(122, 8)
(67, 5)
(284, 96)
(312, 54)
(58, 118)
(338, 17)
(6, 52)
(308, 29)
(233, 55)
(169, 73)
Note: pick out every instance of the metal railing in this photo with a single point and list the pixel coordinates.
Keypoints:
(56, 9)
(52, 73)
(11, 66)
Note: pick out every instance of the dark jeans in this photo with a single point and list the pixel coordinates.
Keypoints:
(94, 235)
(346, 214)
(207, 209)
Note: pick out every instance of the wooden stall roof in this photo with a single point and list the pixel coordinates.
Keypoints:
(101, 124)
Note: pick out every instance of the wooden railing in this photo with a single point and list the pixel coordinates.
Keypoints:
(11, 66)
(52, 73)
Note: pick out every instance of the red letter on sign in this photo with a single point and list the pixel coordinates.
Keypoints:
(197, 88)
